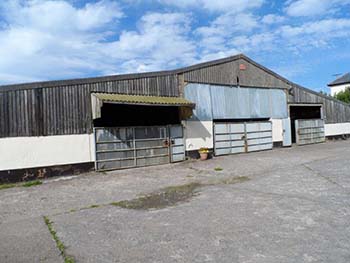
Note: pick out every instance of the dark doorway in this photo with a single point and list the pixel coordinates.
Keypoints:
(121, 115)
(303, 112)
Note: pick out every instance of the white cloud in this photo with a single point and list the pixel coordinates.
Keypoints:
(53, 40)
(233, 6)
(272, 19)
(322, 29)
(313, 7)
(259, 41)
(61, 15)
(161, 42)
(42, 40)
(214, 38)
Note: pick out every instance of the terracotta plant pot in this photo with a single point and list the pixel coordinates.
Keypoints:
(203, 156)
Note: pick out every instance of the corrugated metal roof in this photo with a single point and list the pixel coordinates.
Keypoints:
(144, 100)
(341, 80)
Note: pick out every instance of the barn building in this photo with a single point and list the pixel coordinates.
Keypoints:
(231, 105)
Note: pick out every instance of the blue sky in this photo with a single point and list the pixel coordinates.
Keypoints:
(306, 41)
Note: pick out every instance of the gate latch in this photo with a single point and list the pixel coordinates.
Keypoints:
(165, 143)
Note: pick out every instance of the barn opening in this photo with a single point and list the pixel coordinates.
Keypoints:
(122, 115)
(134, 131)
(303, 112)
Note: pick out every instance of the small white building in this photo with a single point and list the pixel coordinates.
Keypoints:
(340, 84)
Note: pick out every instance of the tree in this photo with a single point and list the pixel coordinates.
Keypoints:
(343, 95)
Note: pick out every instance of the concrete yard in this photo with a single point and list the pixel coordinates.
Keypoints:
(284, 205)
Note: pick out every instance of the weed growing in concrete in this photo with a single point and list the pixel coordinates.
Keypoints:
(218, 169)
(6, 186)
(26, 184)
(61, 247)
(32, 183)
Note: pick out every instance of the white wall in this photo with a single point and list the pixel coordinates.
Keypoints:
(28, 152)
(198, 134)
(336, 89)
(337, 128)
(277, 130)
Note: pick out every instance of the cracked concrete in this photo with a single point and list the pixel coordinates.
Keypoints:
(294, 208)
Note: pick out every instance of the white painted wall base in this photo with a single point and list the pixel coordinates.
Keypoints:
(277, 130)
(198, 134)
(334, 129)
(30, 152)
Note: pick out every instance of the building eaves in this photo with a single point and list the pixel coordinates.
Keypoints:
(341, 80)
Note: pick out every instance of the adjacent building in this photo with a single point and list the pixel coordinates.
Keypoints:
(231, 105)
(340, 84)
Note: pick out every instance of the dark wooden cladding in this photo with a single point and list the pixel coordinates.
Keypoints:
(67, 109)
(64, 107)
(229, 73)
(334, 111)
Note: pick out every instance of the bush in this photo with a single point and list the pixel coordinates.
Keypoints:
(343, 95)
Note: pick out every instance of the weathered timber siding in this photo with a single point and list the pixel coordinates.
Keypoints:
(227, 73)
(257, 76)
(334, 111)
(66, 109)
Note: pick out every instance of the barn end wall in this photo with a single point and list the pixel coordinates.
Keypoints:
(30, 152)
(231, 73)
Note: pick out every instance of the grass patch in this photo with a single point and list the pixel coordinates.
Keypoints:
(6, 186)
(218, 169)
(32, 183)
(61, 247)
(26, 184)
(168, 196)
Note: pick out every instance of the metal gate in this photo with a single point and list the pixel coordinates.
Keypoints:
(127, 147)
(309, 131)
(233, 137)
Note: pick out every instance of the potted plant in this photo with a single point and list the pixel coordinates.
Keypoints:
(203, 152)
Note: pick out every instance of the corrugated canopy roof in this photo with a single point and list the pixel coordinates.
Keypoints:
(97, 100)
(144, 100)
